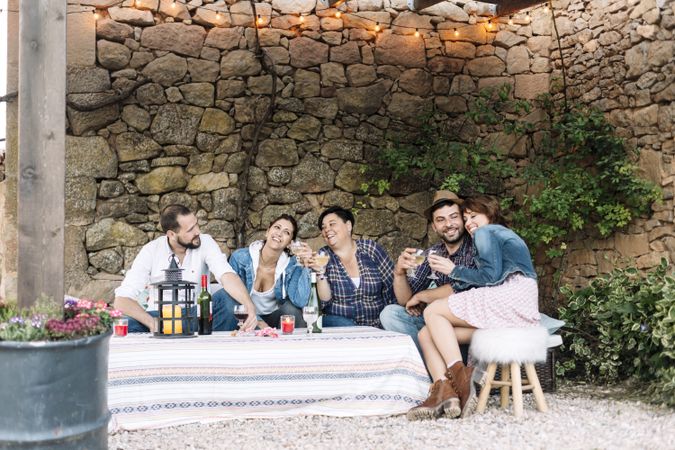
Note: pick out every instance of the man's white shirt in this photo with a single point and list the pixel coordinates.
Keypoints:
(154, 258)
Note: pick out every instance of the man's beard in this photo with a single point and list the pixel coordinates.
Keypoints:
(195, 243)
(458, 237)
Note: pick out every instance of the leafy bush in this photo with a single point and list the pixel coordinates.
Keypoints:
(622, 327)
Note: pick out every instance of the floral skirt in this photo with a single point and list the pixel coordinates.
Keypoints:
(514, 303)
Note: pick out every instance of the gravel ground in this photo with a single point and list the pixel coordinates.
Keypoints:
(579, 417)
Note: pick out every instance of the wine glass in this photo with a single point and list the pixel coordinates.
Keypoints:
(241, 314)
(311, 315)
(295, 247)
(419, 259)
(433, 275)
(322, 259)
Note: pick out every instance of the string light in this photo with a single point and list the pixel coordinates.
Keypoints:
(97, 15)
(302, 19)
(510, 20)
(217, 15)
(378, 27)
(456, 32)
(546, 11)
(528, 18)
(138, 3)
(417, 32)
(338, 14)
(488, 25)
(173, 4)
(260, 20)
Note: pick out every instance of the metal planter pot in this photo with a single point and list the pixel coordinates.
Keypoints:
(53, 395)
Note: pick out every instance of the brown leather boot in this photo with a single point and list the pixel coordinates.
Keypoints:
(442, 399)
(463, 381)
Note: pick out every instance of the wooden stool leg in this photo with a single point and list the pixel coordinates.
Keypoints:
(517, 386)
(532, 377)
(485, 392)
(504, 390)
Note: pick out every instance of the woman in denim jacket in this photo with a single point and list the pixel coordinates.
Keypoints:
(277, 284)
(502, 293)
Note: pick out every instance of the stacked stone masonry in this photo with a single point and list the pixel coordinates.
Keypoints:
(343, 91)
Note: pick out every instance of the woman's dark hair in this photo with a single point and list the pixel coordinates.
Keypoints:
(487, 205)
(291, 220)
(168, 219)
(344, 214)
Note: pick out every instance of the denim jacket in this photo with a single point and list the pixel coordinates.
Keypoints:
(291, 281)
(499, 253)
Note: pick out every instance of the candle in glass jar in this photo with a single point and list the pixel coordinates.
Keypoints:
(287, 324)
(168, 324)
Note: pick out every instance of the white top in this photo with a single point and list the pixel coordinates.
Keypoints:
(154, 257)
(265, 302)
(356, 281)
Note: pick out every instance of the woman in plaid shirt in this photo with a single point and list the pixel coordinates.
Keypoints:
(359, 277)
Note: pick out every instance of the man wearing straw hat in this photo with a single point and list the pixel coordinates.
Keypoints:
(412, 281)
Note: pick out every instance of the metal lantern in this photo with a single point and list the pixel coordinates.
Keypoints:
(175, 302)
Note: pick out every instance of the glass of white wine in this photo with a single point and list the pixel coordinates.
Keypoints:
(295, 247)
(311, 315)
(433, 275)
(419, 259)
(321, 260)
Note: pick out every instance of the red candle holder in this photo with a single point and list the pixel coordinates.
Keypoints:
(287, 324)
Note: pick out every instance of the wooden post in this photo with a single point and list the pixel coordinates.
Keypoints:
(41, 171)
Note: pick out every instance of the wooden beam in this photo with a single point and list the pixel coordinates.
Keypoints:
(41, 171)
(505, 8)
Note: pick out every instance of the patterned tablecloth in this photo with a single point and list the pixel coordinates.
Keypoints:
(357, 371)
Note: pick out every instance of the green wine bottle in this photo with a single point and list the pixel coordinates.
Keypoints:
(204, 305)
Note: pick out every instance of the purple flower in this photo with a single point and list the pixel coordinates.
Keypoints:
(70, 304)
(17, 320)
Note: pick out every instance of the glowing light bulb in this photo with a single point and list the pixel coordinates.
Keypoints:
(456, 32)
(173, 4)
(510, 20)
(546, 9)
(97, 15)
(218, 15)
(302, 19)
(489, 25)
(138, 3)
(377, 28)
(338, 14)
(417, 33)
(260, 20)
(527, 18)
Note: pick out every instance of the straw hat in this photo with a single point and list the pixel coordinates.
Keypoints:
(440, 197)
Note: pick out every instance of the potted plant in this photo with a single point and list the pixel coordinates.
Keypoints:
(54, 375)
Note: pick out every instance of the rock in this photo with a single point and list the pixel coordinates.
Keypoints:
(417, 202)
(173, 9)
(338, 198)
(198, 94)
(218, 229)
(311, 176)
(660, 53)
(306, 52)
(86, 80)
(150, 94)
(262, 85)
(82, 121)
(283, 196)
(113, 31)
(75, 274)
(242, 15)
(411, 20)
(278, 55)
(464, 50)
(305, 128)
(80, 200)
(136, 117)
(412, 225)
(348, 53)
(451, 105)
(176, 124)
(407, 51)
(208, 182)
(230, 88)
(374, 222)
(107, 260)
(109, 233)
(442, 64)
(175, 37)
(366, 20)
(409, 108)
(203, 70)
(239, 63)
(110, 188)
(507, 39)
(517, 60)
(224, 38)
(343, 149)
(121, 207)
(277, 152)
(361, 100)
(112, 55)
(211, 17)
(178, 198)
(530, 86)
(332, 73)
(131, 16)
(351, 177)
(161, 179)
(307, 84)
(468, 33)
(636, 59)
(448, 10)
(324, 108)
(166, 70)
(486, 66)
(80, 39)
(361, 75)
(293, 6)
(645, 117)
(132, 146)
(462, 84)
(631, 245)
(216, 121)
(90, 156)
(415, 81)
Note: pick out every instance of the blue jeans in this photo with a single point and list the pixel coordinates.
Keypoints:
(396, 318)
(329, 320)
(223, 315)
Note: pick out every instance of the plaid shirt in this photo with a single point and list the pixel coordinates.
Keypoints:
(362, 304)
(464, 256)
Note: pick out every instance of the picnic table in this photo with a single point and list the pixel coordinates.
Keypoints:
(355, 371)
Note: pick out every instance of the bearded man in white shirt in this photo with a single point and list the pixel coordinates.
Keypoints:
(197, 254)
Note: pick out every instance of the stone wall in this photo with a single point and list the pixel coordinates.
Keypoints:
(343, 91)
(619, 56)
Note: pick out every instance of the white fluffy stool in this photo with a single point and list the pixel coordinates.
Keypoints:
(511, 348)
